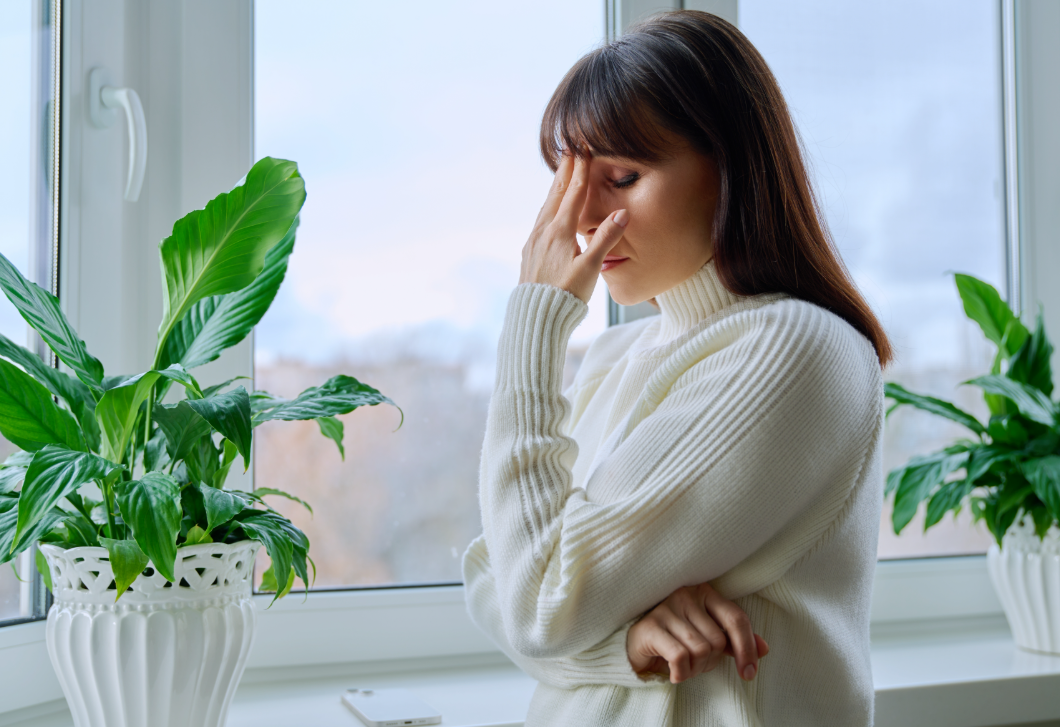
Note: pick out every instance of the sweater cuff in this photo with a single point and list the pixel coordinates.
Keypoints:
(608, 663)
(533, 344)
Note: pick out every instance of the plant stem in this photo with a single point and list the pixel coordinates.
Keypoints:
(108, 499)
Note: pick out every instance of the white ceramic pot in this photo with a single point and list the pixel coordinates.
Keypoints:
(165, 655)
(1026, 576)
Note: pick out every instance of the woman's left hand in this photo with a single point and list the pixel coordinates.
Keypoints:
(552, 254)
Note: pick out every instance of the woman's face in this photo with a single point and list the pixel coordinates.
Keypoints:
(671, 214)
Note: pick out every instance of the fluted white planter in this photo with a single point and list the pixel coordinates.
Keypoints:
(162, 656)
(1026, 576)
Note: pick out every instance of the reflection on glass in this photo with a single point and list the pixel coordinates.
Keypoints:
(25, 208)
(417, 138)
(901, 123)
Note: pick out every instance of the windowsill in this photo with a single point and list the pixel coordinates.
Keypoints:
(965, 678)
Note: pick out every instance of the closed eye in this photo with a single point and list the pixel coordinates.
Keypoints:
(625, 181)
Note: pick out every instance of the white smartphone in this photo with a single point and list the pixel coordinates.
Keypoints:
(389, 707)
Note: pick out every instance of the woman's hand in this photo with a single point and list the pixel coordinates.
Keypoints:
(552, 255)
(689, 632)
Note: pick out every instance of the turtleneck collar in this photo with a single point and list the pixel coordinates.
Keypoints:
(692, 301)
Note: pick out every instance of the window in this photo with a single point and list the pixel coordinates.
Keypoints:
(899, 107)
(417, 137)
(26, 145)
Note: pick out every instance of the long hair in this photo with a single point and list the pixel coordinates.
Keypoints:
(695, 75)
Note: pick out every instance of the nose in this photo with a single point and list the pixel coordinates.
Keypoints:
(593, 210)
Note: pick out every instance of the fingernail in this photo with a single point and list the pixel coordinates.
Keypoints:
(749, 672)
(621, 218)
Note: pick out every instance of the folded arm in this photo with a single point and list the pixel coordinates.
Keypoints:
(717, 457)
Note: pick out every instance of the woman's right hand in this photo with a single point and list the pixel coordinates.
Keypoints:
(689, 632)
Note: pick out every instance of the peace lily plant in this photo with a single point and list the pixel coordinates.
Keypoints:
(107, 460)
(1011, 464)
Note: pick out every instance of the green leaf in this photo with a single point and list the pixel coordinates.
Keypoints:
(338, 395)
(127, 561)
(222, 248)
(919, 479)
(932, 405)
(1031, 403)
(151, 506)
(948, 497)
(8, 523)
(182, 426)
(66, 387)
(29, 417)
(227, 458)
(1044, 475)
(262, 400)
(332, 428)
(155, 455)
(44, 570)
(10, 477)
(200, 461)
(42, 312)
(197, 536)
(1043, 519)
(222, 505)
(984, 305)
(1006, 429)
(268, 583)
(229, 414)
(211, 390)
(276, 540)
(265, 491)
(217, 323)
(982, 459)
(54, 473)
(1031, 363)
(119, 407)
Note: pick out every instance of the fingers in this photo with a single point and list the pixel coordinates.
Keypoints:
(737, 626)
(607, 235)
(570, 208)
(555, 193)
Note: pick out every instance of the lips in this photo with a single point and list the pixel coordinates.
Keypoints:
(612, 261)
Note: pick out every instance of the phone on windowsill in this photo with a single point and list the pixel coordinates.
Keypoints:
(389, 707)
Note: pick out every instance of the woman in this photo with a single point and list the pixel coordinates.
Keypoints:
(710, 470)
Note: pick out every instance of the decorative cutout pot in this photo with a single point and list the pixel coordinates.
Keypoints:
(1026, 576)
(166, 654)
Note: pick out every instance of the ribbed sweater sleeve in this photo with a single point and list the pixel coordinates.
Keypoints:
(725, 446)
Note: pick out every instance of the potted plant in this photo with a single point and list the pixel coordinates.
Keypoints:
(1008, 472)
(148, 555)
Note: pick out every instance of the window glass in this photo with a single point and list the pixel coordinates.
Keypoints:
(899, 108)
(18, 196)
(417, 134)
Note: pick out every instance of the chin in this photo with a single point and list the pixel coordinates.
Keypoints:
(623, 296)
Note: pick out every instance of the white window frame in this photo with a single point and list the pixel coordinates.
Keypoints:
(192, 63)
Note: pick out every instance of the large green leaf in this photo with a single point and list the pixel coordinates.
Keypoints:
(264, 491)
(1031, 364)
(933, 406)
(10, 477)
(71, 390)
(29, 417)
(920, 477)
(41, 310)
(221, 249)
(119, 406)
(984, 305)
(1044, 475)
(220, 322)
(127, 561)
(54, 473)
(948, 497)
(8, 520)
(1031, 402)
(338, 395)
(277, 542)
(151, 506)
(229, 414)
(228, 456)
(332, 428)
(183, 427)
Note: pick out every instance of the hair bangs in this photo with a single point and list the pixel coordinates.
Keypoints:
(598, 111)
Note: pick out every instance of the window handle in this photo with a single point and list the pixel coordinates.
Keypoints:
(104, 100)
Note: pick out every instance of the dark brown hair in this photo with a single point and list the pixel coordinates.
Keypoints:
(695, 75)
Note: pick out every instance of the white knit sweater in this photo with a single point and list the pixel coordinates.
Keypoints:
(731, 440)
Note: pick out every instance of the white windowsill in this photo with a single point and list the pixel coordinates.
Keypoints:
(942, 655)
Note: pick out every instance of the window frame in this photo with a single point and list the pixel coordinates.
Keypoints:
(198, 55)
